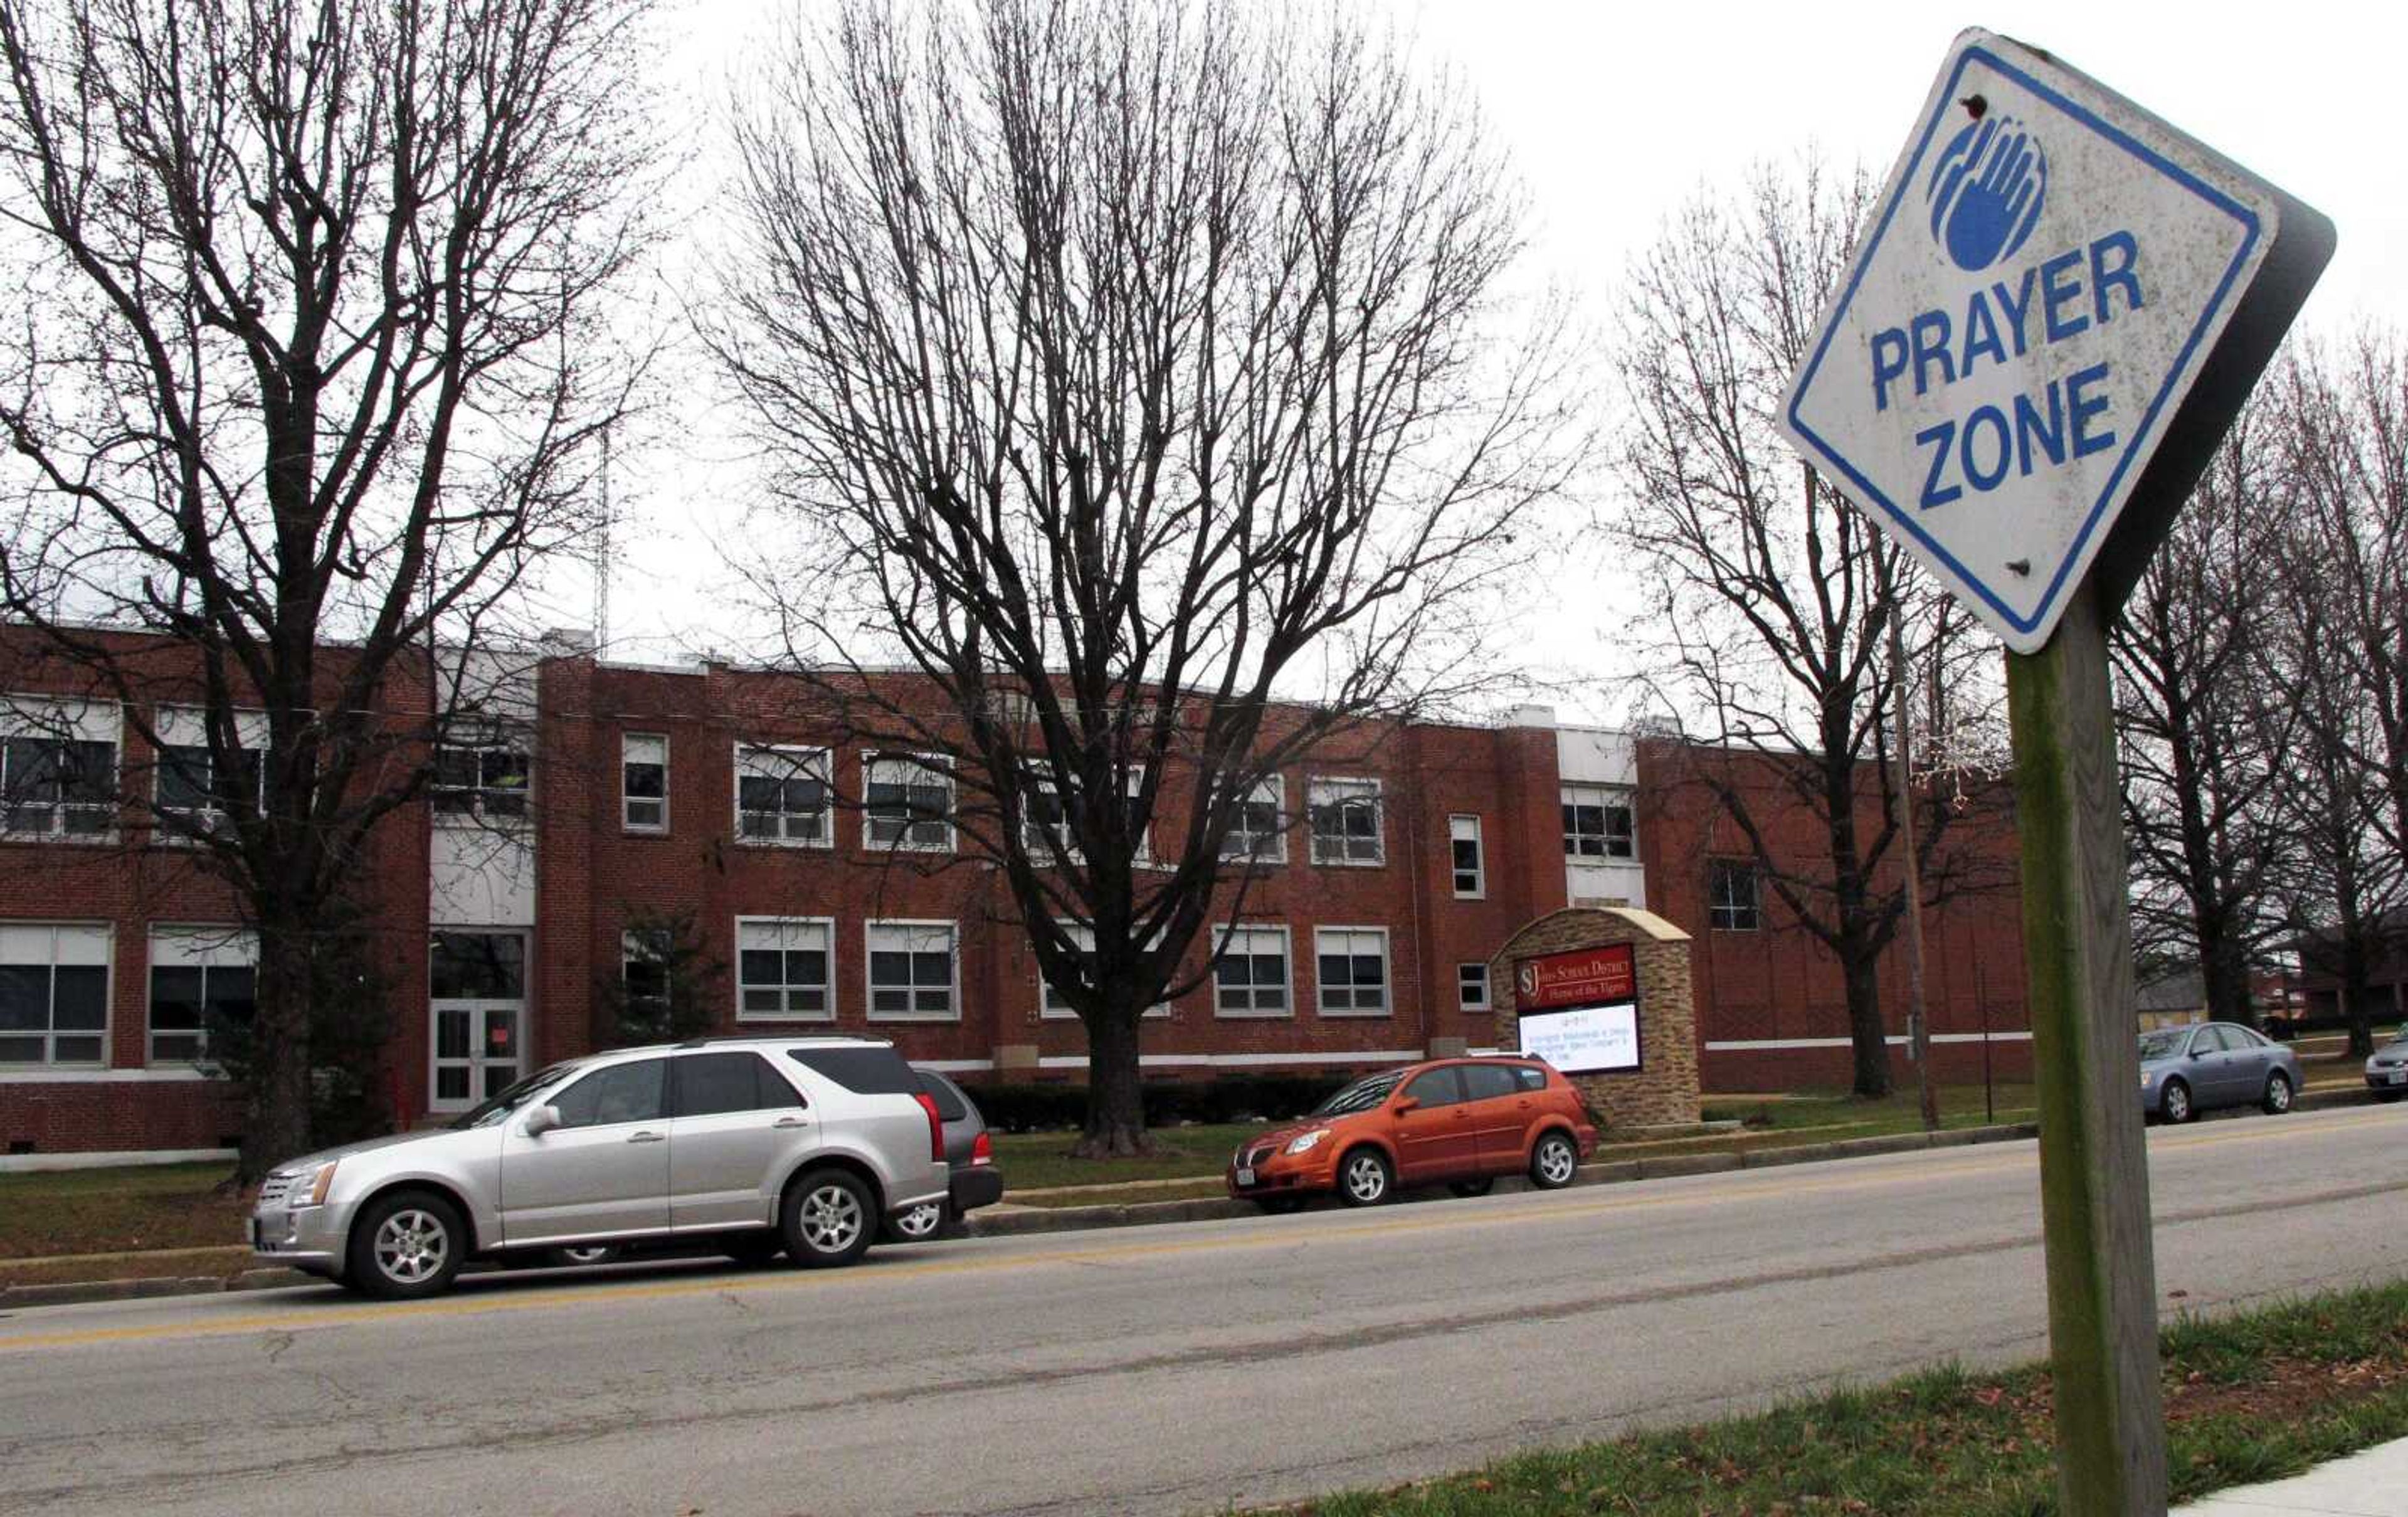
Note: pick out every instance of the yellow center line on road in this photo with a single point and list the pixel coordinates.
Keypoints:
(1553, 1208)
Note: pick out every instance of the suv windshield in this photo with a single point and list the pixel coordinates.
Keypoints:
(1362, 1096)
(495, 1108)
(2164, 1043)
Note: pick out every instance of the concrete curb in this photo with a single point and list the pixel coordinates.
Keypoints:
(1212, 1209)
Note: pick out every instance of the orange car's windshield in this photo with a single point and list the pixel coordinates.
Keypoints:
(1362, 1096)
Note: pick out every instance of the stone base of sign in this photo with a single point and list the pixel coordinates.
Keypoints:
(1664, 1089)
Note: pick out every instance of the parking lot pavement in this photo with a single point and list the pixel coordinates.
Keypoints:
(2374, 1483)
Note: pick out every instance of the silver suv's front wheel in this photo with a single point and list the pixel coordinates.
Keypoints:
(827, 1219)
(407, 1244)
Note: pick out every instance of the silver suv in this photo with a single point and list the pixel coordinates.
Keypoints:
(750, 1145)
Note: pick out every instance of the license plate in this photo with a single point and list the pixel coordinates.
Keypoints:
(2398, 1077)
(1245, 1176)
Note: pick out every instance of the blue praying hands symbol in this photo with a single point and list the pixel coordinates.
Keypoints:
(1985, 192)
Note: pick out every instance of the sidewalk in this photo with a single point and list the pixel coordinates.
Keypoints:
(2372, 1484)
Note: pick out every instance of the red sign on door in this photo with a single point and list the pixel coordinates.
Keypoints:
(1586, 976)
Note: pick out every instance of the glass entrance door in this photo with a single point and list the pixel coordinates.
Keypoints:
(477, 1016)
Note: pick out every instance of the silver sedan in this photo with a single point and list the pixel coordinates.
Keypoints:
(2190, 1069)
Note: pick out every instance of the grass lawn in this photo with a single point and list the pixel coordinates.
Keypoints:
(1037, 1161)
(167, 1205)
(1901, 1111)
(2248, 1399)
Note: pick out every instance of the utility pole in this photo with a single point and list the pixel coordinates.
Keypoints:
(1918, 1016)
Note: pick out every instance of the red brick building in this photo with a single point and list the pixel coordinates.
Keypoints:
(603, 794)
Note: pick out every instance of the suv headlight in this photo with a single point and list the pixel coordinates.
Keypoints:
(1306, 1143)
(309, 1187)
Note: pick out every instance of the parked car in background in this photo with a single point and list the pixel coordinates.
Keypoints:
(2201, 1065)
(749, 1146)
(969, 1158)
(2387, 1072)
(1458, 1121)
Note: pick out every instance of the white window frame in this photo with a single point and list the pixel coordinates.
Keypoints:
(869, 948)
(55, 718)
(626, 762)
(872, 761)
(1049, 1010)
(1463, 1001)
(1259, 852)
(219, 946)
(1604, 797)
(481, 736)
(1387, 1007)
(1224, 936)
(1330, 792)
(1038, 844)
(1464, 827)
(186, 726)
(826, 926)
(49, 1033)
(815, 763)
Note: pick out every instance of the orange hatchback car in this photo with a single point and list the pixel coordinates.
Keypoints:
(1463, 1121)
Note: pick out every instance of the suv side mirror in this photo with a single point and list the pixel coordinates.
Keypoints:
(542, 1119)
(1408, 1103)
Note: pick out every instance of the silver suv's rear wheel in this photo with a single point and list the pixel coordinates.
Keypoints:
(829, 1218)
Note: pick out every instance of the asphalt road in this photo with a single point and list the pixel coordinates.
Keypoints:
(1168, 1369)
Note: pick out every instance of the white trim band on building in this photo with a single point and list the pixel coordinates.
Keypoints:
(1225, 1061)
(19, 1164)
(95, 1076)
(1751, 1045)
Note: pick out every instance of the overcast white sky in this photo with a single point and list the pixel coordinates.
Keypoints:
(1614, 114)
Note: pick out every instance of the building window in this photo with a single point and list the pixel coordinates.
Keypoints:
(1598, 824)
(1731, 903)
(1250, 973)
(782, 796)
(1050, 1006)
(53, 993)
(480, 773)
(783, 969)
(911, 971)
(190, 787)
(1346, 822)
(1472, 987)
(1353, 970)
(1049, 830)
(58, 768)
(644, 954)
(907, 804)
(201, 978)
(1258, 829)
(478, 966)
(1470, 870)
(644, 781)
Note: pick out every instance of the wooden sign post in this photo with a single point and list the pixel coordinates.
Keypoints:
(2058, 309)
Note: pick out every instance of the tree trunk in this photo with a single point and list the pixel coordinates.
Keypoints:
(1115, 1101)
(2355, 992)
(2224, 970)
(277, 1115)
(1866, 1030)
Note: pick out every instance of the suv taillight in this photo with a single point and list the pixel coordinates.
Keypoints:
(982, 1150)
(936, 1126)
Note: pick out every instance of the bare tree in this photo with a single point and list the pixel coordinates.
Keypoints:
(315, 351)
(1130, 369)
(1775, 593)
(2202, 735)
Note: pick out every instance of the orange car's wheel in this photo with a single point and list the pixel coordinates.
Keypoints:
(1553, 1162)
(1364, 1178)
